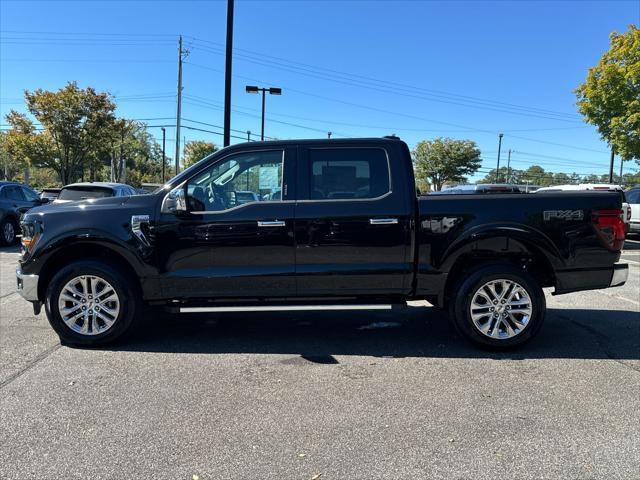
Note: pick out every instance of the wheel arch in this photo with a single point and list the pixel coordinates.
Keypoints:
(529, 254)
(84, 250)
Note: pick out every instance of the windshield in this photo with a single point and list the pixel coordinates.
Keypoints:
(83, 193)
(185, 173)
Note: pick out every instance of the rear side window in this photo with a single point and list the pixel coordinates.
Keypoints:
(348, 173)
(29, 194)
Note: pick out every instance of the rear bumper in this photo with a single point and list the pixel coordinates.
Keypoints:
(634, 227)
(27, 285)
(591, 279)
(620, 274)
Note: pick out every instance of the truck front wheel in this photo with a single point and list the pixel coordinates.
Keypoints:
(498, 307)
(90, 303)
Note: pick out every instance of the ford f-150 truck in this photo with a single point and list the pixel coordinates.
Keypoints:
(335, 223)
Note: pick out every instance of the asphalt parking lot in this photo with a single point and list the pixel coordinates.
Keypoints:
(325, 395)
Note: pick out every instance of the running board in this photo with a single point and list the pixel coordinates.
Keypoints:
(289, 308)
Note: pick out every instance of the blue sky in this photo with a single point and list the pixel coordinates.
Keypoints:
(419, 69)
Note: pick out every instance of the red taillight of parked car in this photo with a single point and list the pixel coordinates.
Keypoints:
(609, 225)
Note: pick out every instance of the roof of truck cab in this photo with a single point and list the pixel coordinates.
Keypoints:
(327, 141)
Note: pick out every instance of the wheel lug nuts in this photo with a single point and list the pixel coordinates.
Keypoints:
(84, 300)
(84, 308)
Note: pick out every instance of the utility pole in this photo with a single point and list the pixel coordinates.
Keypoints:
(613, 156)
(500, 135)
(248, 135)
(163, 156)
(508, 167)
(621, 164)
(179, 108)
(328, 134)
(227, 75)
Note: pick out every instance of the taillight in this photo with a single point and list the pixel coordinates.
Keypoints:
(609, 225)
(628, 214)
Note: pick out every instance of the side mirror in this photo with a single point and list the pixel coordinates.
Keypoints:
(43, 200)
(175, 202)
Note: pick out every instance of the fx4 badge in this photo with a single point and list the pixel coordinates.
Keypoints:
(563, 215)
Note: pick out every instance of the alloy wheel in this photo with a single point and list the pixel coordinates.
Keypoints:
(501, 309)
(88, 305)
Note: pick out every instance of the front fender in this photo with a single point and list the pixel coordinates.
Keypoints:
(129, 249)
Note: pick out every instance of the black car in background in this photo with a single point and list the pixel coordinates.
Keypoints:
(15, 199)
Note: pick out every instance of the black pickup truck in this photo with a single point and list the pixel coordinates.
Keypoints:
(298, 224)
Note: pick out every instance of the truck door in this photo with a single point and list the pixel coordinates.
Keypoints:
(236, 238)
(353, 223)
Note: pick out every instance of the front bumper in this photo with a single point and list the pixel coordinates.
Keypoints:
(27, 285)
(620, 274)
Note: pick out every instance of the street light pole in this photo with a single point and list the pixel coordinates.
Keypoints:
(262, 129)
(506, 180)
(499, 147)
(163, 156)
(248, 135)
(329, 134)
(272, 91)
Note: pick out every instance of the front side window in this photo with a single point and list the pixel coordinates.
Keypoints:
(348, 173)
(14, 193)
(237, 180)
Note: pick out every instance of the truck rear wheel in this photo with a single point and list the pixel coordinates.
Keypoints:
(498, 307)
(90, 303)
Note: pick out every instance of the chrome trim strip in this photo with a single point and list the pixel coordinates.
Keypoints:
(136, 228)
(278, 308)
(271, 223)
(383, 221)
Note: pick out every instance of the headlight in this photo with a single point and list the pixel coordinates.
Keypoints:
(31, 233)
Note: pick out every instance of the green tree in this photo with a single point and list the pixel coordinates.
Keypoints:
(507, 175)
(73, 121)
(610, 96)
(445, 160)
(196, 150)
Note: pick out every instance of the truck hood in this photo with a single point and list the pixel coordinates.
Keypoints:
(96, 211)
(81, 205)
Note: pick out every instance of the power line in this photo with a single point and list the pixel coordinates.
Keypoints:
(404, 86)
(380, 110)
(382, 89)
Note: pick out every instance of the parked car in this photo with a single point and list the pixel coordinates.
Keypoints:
(93, 190)
(50, 194)
(188, 247)
(596, 187)
(15, 199)
(479, 188)
(633, 198)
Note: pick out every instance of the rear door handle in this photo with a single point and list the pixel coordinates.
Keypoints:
(272, 223)
(383, 221)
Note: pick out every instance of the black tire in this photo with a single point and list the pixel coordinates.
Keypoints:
(469, 285)
(8, 222)
(129, 302)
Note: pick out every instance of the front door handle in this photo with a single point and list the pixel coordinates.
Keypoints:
(271, 223)
(383, 221)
